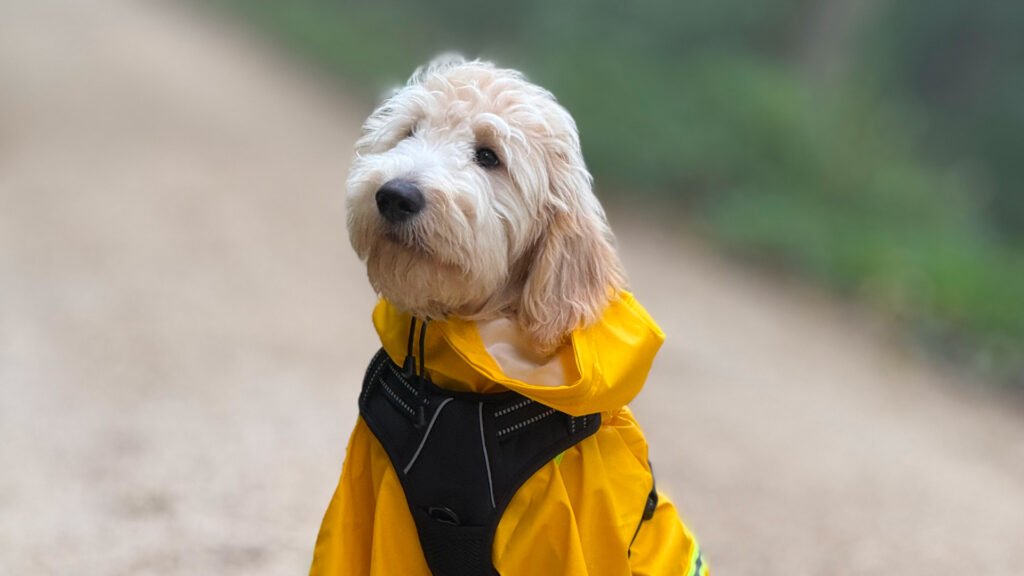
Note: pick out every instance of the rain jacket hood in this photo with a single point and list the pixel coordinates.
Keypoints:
(604, 365)
(581, 514)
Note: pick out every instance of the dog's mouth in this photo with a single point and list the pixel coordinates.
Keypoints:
(401, 237)
(413, 245)
(406, 238)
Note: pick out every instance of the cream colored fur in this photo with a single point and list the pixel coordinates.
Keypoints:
(527, 241)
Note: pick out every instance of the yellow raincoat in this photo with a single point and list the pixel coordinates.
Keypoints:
(578, 515)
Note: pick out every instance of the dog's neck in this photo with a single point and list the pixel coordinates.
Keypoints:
(514, 351)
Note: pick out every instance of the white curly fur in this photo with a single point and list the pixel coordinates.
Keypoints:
(527, 240)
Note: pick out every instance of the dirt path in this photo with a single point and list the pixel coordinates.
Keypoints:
(183, 328)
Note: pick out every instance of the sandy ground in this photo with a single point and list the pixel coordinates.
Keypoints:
(183, 329)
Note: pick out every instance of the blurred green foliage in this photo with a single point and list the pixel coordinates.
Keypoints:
(871, 144)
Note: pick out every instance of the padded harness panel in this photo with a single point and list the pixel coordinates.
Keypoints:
(461, 457)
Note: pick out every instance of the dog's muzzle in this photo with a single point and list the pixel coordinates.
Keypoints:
(399, 200)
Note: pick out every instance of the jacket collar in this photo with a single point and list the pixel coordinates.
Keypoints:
(603, 365)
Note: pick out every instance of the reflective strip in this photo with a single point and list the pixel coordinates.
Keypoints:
(426, 435)
(698, 567)
(526, 422)
(513, 408)
(376, 372)
(396, 398)
(402, 379)
(487, 460)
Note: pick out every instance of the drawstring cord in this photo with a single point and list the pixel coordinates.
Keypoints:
(409, 364)
(423, 354)
(409, 368)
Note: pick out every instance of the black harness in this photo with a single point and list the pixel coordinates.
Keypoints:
(460, 456)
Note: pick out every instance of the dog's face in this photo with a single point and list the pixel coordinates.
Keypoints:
(469, 197)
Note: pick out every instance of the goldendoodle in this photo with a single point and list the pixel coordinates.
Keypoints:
(494, 436)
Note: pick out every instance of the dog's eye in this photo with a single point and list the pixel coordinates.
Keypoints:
(486, 158)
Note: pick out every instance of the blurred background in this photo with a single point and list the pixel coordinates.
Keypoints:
(820, 201)
(871, 145)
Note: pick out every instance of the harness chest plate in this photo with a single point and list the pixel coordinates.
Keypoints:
(461, 457)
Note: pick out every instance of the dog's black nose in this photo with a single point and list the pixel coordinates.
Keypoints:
(399, 200)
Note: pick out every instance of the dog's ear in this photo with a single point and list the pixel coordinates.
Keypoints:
(575, 269)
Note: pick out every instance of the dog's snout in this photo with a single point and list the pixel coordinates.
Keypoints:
(399, 200)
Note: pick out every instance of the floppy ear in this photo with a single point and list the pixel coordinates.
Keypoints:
(575, 270)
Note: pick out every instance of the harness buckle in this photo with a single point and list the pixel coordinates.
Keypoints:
(444, 515)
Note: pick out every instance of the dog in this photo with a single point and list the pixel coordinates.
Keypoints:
(504, 444)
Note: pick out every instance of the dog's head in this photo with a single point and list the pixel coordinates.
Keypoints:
(469, 197)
